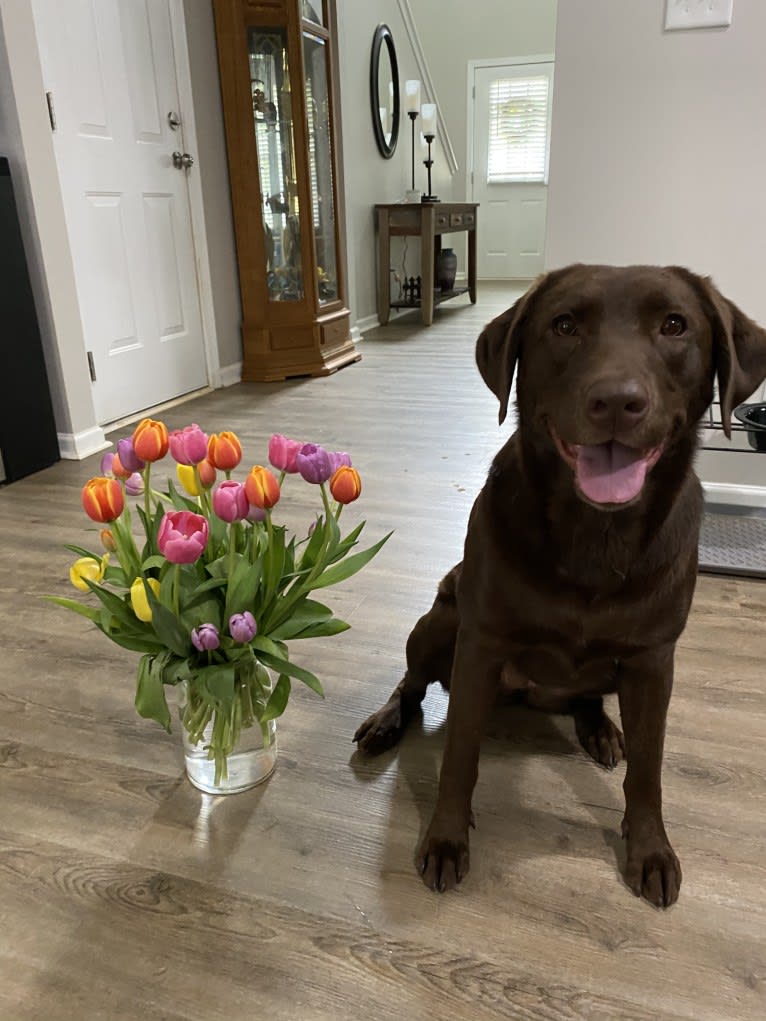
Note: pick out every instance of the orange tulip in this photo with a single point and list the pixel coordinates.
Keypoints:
(346, 485)
(150, 440)
(224, 451)
(107, 540)
(103, 499)
(262, 487)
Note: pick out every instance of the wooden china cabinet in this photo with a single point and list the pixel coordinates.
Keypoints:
(278, 67)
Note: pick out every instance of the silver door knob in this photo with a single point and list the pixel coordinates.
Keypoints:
(182, 160)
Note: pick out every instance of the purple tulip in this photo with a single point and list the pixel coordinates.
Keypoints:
(283, 452)
(188, 445)
(134, 485)
(314, 463)
(230, 501)
(256, 513)
(182, 536)
(242, 627)
(205, 638)
(106, 463)
(339, 458)
(129, 459)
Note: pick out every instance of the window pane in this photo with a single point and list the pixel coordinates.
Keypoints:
(518, 129)
(273, 116)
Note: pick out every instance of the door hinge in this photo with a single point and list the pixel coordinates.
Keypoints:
(91, 367)
(51, 111)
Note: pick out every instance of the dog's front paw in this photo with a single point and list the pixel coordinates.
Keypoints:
(382, 730)
(443, 858)
(653, 871)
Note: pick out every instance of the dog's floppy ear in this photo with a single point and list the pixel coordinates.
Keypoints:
(498, 348)
(739, 347)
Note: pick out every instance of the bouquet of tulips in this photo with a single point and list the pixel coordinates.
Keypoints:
(214, 589)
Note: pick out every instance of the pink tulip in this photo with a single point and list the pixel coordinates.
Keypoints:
(283, 452)
(182, 536)
(230, 501)
(188, 445)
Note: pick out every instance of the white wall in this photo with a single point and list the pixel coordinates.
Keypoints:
(369, 178)
(453, 33)
(658, 154)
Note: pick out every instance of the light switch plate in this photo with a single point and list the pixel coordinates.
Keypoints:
(698, 14)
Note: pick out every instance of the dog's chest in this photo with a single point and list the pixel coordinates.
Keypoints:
(552, 671)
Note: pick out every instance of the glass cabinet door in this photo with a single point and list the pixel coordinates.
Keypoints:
(275, 142)
(320, 166)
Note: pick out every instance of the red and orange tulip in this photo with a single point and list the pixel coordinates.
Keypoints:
(150, 440)
(345, 485)
(262, 488)
(103, 499)
(224, 451)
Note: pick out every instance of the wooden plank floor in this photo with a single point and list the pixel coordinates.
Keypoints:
(125, 894)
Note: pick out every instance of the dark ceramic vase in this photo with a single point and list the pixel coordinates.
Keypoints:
(446, 267)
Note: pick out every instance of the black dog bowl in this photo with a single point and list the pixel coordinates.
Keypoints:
(753, 417)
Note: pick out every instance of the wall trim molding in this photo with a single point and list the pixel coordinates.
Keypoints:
(228, 375)
(368, 323)
(76, 446)
(734, 495)
(425, 76)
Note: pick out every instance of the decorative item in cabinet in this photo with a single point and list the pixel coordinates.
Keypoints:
(277, 61)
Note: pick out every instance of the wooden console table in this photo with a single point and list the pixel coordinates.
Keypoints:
(428, 221)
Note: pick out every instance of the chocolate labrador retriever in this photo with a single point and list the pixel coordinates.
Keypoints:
(580, 558)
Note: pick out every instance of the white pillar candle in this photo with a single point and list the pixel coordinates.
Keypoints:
(412, 96)
(423, 145)
(428, 114)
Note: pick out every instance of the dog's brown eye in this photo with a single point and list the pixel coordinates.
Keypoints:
(565, 326)
(673, 325)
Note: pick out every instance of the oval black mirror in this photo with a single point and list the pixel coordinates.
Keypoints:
(384, 91)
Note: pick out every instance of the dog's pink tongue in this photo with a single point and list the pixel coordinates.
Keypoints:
(610, 472)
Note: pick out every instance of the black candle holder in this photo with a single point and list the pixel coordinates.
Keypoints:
(412, 114)
(428, 163)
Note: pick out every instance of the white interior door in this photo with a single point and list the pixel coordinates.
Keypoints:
(511, 129)
(110, 68)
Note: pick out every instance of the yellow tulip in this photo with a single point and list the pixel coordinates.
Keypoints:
(187, 479)
(139, 599)
(87, 567)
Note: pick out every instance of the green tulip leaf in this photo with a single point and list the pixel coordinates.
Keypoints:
(135, 642)
(167, 627)
(156, 560)
(324, 629)
(82, 552)
(277, 702)
(91, 612)
(284, 666)
(345, 568)
(150, 694)
(218, 680)
(305, 613)
(242, 588)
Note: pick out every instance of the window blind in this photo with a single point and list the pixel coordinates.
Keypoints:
(518, 129)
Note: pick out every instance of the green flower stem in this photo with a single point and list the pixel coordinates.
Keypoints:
(338, 511)
(232, 548)
(126, 547)
(282, 476)
(176, 589)
(147, 493)
(325, 501)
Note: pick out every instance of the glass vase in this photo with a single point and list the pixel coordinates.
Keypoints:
(251, 746)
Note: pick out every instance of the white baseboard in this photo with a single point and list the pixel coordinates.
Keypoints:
(368, 323)
(734, 495)
(76, 446)
(228, 375)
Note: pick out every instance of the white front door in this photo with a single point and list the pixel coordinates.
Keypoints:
(111, 71)
(511, 127)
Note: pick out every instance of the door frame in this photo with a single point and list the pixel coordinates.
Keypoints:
(196, 197)
(537, 58)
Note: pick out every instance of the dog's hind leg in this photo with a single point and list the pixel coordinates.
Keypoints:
(600, 738)
(430, 651)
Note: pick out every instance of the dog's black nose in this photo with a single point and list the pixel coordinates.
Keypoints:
(616, 404)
